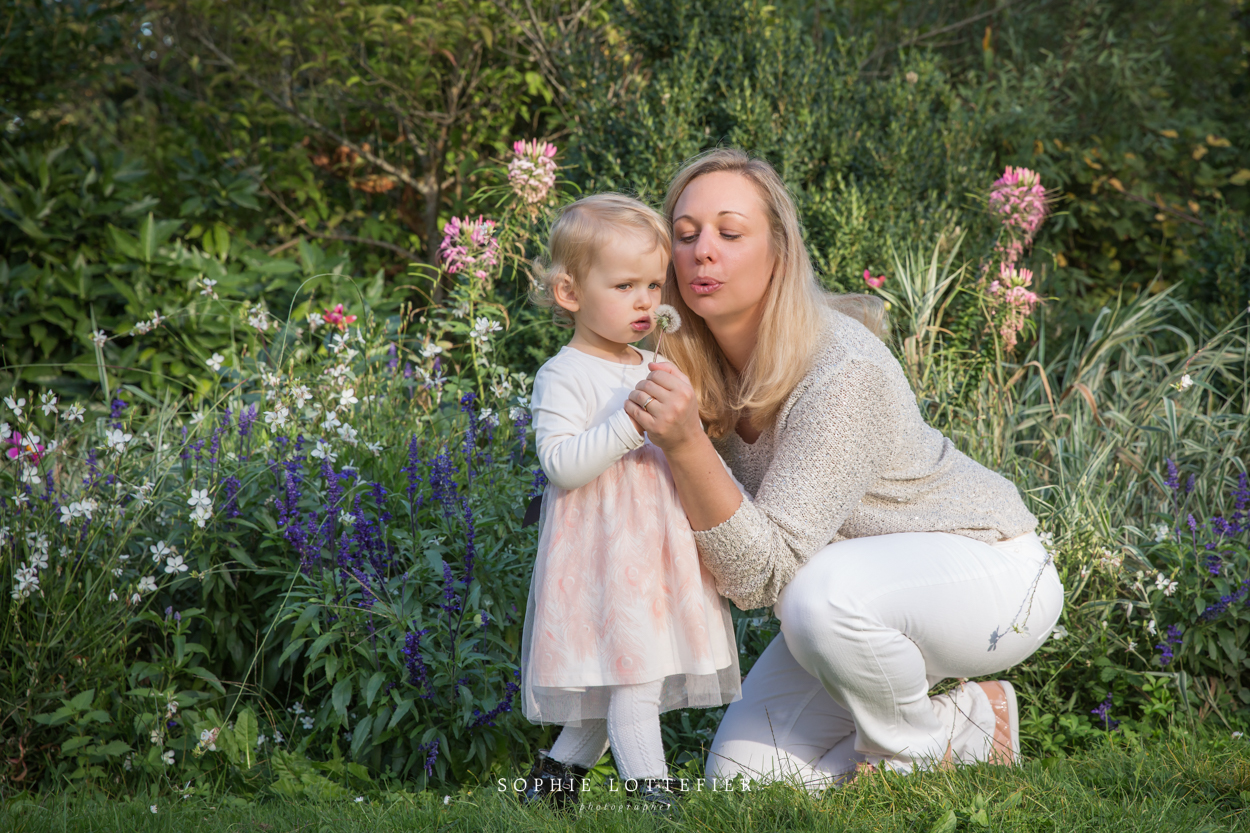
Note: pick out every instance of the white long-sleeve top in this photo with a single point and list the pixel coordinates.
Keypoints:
(580, 424)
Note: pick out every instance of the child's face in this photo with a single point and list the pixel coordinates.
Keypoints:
(614, 300)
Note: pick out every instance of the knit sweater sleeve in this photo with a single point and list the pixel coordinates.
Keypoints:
(836, 441)
(571, 453)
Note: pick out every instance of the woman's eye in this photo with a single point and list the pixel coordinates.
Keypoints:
(729, 235)
(688, 238)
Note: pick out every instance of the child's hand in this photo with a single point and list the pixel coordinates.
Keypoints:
(637, 427)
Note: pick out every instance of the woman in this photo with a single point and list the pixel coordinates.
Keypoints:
(891, 560)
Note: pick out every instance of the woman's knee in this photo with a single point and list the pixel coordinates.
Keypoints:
(814, 610)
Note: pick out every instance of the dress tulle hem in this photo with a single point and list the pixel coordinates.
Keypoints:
(619, 597)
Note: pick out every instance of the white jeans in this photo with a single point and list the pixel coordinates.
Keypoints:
(868, 626)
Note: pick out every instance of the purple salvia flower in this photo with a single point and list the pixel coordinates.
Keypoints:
(231, 485)
(1103, 712)
(505, 705)
(539, 484)
(1173, 480)
(418, 674)
(246, 420)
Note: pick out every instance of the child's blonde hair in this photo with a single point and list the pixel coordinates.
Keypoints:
(578, 233)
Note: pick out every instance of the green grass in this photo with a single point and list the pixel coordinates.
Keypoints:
(1178, 785)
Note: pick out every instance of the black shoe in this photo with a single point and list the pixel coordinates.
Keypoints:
(659, 795)
(550, 778)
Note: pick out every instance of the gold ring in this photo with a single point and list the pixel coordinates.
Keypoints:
(649, 401)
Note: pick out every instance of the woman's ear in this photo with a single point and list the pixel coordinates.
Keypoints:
(564, 292)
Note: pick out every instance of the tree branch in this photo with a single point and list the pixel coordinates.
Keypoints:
(950, 27)
(309, 121)
(347, 238)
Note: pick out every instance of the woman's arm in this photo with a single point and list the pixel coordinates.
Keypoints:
(571, 454)
(836, 441)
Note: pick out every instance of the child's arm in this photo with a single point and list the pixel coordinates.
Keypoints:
(571, 453)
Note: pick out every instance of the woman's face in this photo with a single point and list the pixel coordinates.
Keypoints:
(721, 250)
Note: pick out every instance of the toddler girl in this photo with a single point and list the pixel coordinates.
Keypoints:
(623, 621)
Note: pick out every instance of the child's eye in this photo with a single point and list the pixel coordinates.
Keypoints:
(655, 285)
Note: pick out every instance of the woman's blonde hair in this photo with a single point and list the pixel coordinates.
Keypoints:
(579, 231)
(791, 324)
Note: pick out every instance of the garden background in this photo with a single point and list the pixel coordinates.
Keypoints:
(266, 348)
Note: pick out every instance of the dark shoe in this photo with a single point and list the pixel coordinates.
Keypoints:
(550, 778)
(659, 795)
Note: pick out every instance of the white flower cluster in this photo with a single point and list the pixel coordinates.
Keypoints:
(480, 334)
(1166, 585)
(201, 506)
(84, 508)
(207, 287)
(26, 578)
(259, 319)
(145, 327)
(1109, 561)
(117, 440)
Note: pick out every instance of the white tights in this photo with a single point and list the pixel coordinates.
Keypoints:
(632, 729)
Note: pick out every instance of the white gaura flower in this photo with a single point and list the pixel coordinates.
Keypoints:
(300, 394)
(74, 412)
(135, 598)
(208, 738)
(277, 418)
(375, 448)
(99, 338)
(1185, 383)
(47, 402)
(147, 584)
(314, 321)
(330, 421)
(1152, 628)
(429, 350)
(167, 757)
(201, 515)
(307, 722)
(297, 709)
(324, 452)
(6, 431)
(1160, 532)
(348, 398)
(159, 551)
(1060, 632)
(347, 434)
(483, 326)
(346, 518)
(39, 560)
(199, 497)
(208, 284)
(15, 405)
(112, 595)
(487, 417)
(214, 362)
(1131, 646)
(197, 417)
(116, 440)
(30, 475)
(175, 564)
(259, 319)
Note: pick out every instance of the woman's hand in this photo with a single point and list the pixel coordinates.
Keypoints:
(671, 415)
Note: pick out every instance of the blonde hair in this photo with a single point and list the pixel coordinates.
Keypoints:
(577, 234)
(790, 326)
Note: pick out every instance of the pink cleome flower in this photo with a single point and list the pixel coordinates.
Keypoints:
(875, 283)
(469, 246)
(337, 318)
(1012, 301)
(533, 172)
(1019, 198)
(31, 447)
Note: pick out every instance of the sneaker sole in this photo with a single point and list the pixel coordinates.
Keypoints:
(1013, 720)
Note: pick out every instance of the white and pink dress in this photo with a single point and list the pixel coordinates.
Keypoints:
(619, 596)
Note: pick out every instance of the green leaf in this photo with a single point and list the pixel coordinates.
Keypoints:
(114, 748)
(946, 823)
(246, 732)
(75, 743)
(341, 696)
(371, 689)
(82, 701)
(362, 733)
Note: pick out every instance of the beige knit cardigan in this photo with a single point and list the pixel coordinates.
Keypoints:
(848, 456)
